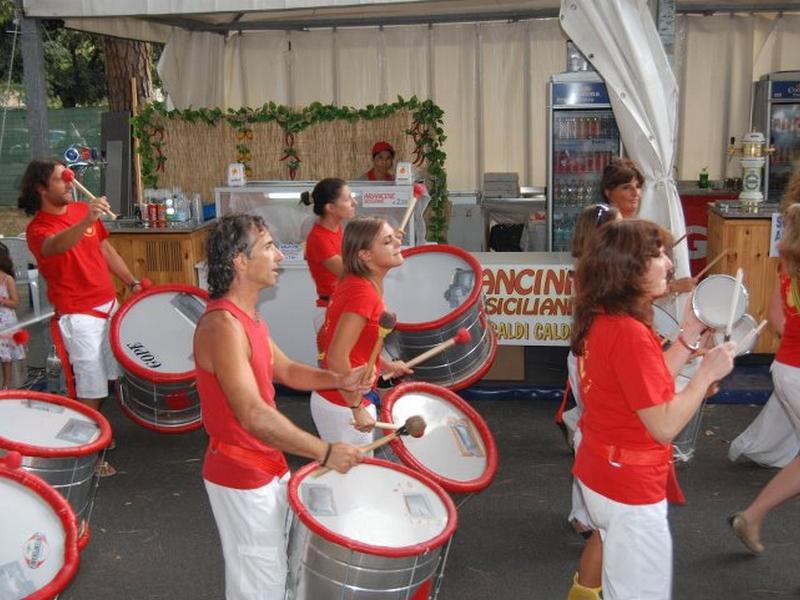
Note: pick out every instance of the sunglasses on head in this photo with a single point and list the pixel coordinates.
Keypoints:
(602, 209)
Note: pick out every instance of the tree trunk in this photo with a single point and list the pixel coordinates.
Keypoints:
(126, 59)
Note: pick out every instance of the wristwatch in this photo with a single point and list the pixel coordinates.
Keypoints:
(690, 347)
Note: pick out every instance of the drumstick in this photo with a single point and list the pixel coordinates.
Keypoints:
(68, 175)
(734, 304)
(386, 323)
(679, 240)
(462, 336)
(414, 426)
(745, 341)
(712, 263)
(382, 425)
(419, 189)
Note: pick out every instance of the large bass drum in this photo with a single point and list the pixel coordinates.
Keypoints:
(39, 550)
(434, 293)
(374, 533)
(152, 336)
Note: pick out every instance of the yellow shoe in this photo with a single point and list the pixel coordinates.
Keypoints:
(580, 592)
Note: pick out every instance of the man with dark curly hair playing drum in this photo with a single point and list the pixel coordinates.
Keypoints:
(245, 471)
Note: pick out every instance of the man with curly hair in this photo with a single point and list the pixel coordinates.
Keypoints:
(245, 471)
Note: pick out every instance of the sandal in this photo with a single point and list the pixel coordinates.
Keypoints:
(741, 529)
(104, 469)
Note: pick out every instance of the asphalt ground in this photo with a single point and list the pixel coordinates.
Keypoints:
(153, 535)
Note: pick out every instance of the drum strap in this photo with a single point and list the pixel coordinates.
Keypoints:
(563, 406)
(639, 458)
(248, 457)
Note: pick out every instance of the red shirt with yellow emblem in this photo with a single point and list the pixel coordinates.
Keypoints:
(77, 279)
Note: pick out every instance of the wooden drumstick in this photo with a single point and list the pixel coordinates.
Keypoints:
(386, 323)
(679, 240)
(705, 270)
(382, 425)
(462, 336)
(414, 426)
(68, 175)
(419, 190)
(745, 341)
(734, 304)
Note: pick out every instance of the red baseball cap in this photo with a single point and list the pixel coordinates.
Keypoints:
(381, 147)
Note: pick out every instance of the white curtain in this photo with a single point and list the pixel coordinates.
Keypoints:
(718, 59)
(620, 38)
(497, 121)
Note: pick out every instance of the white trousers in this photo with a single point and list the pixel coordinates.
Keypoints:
(773, 438)
(637, 547)
(87, 341)
(333, 422)
(253, 527)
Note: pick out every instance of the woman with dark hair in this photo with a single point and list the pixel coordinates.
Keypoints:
(621, 185)
(10, 350)
(370, 249)
(784, 316)
(631, 410)
(333, 204)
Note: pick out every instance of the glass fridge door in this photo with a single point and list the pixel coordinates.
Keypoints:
(785, 137)
(584, 142)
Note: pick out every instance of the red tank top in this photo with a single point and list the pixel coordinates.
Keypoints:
(221, 423)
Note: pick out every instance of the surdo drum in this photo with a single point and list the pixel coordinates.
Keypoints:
(152, 336)
(434, 293)
(374, 533)
(457, 450)
(60, 440)
(39, 549)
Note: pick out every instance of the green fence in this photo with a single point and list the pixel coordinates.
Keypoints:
(67, 126)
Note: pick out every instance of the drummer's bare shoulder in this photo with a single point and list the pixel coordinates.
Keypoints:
(219, 338)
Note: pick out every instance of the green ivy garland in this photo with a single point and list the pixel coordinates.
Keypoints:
(426, 130)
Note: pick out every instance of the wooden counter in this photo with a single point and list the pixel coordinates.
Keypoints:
(161, 255)
(748, 240)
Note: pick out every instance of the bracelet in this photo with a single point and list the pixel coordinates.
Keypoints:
(327, 455)
(355, 407)
(134, 283)
(690, 347)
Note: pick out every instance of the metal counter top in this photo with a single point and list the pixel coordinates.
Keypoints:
(734, 210)
(130, 225)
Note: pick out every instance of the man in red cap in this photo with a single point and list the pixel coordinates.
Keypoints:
(382, 163)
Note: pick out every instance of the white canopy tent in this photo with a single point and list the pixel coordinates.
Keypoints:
(621, 40)
(485, 63)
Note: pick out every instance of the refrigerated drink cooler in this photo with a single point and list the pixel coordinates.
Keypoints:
(776, 113)
(583, 138)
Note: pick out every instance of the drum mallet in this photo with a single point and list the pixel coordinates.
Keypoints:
(734, 304)
(386, 324)
(462, 336)
(705, 270)
(388, 426)
(419, 190)
(414, 426)
(68, 175)
(679, 240)
(745, 341)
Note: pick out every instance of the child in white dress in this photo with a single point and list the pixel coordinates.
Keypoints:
(9, 300)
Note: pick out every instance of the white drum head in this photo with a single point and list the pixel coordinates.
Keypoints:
(45, 424)
(375, 505)
(713, 297)
(156, 332)
(429, 285)
(33, 549)
(451, 447)
(664, 323)
(739, 331)
(681, 381)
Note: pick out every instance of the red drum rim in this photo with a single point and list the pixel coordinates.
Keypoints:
(459, 310)
(67, 517)
(388, 551)
(185, 428)
(399, 448)
(124, 359)
(478, 375)
(44, 452)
